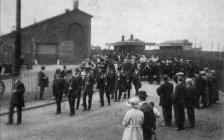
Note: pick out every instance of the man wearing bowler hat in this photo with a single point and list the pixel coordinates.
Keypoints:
(43, 82)
(17, 100)
(89, 81)
(149, 116)
(58, 88)
(74, 90)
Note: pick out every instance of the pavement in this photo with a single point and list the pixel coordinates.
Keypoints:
(106, 123)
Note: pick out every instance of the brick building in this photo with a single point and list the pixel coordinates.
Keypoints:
(65, 38)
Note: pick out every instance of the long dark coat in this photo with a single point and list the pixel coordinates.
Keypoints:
(190, 96)
(101, 80)
(149, 120)
(75, 86)
(121, 81)
(111, 79)
(88, 83)
(58, 87)
(43, 80)
(17, 97)
(179, 94)
(136, 80)
(165, 92)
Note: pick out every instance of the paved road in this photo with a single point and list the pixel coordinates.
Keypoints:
(105, 123)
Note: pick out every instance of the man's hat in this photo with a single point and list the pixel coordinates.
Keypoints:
(88, 68)
(57, 71)
(142, 94)
(213, 72)
(77, 70)
(202, 72)
(180, 74)
(119, 68)
(69, 71)
(42, 67)
(165, 78)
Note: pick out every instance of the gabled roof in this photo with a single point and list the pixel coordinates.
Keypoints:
(51, 18)
(134, 42)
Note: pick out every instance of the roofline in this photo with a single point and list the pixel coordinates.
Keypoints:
(46, 20)
(174, 44)
(130, 43)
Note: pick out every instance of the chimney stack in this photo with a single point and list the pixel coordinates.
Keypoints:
(76, 4)
(122, 38)
(131, 37)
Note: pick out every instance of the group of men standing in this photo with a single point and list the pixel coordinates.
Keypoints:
(199, 91)
(108, 81)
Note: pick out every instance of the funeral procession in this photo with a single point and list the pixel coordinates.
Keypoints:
(111, 70)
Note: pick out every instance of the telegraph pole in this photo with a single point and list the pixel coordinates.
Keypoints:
(0, 17)
(17, 58)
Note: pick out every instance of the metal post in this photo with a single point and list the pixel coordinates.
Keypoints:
(17, 60)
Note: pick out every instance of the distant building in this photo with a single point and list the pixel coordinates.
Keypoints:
(130, 45)
(65, 38)
(98, 48)
(175, 45)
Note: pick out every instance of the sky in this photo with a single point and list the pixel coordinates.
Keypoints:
(199, 21)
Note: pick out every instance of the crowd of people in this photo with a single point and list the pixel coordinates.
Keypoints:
(181, 85)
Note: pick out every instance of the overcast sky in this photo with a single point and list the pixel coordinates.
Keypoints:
(149, 20)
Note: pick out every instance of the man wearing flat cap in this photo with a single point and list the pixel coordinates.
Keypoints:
(149, 116)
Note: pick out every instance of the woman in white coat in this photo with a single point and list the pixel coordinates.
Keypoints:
(133, 122)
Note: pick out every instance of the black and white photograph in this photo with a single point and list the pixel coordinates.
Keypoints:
(111, 70)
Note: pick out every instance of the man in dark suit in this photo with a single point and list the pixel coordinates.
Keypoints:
(190, 101)
(165, 91)
(111, 79)
(149, 116)
(64, 71)
(17, 100)
(179, 96)
(101, 84)
(74, 89)
(43, 82)
(78, 77)
(89, 81)
(136, 81)
(120, 84)
(58, 88)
